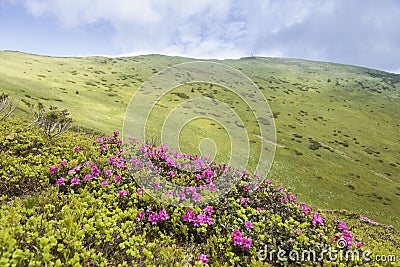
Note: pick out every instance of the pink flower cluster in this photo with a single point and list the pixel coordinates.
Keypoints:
(249, 225)
(61, 181)
(117, 162)
(53, 169)
(368, 220)
(318, 219)
(346, 235)
(152, 216)
(191, 190)
(239, 240)
(110, 138)
(94, 172)
(244, 200)
(80, 174)
(204, 218)
(164, 160)
(304, 207)
(122, 192)
(203, 259)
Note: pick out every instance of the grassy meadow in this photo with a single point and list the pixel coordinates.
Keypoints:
(337, 126)
(76, 199)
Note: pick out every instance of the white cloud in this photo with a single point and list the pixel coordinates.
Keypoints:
(167, 24)
(358, 32)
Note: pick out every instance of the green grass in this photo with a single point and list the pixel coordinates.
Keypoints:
(352, 111)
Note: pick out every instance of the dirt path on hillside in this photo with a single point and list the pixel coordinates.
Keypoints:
(268, 141)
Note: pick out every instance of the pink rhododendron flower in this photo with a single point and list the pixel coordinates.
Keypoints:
(104, 147)
(358, 244)
(196, 197)
(368, 220)
(104, 183)
(239, 240)
(182, 195)
(117, 178)
(116, 133)
(244, 200)
(53, 169)
(342, 226)
(212, 187)
(87, 178)
(248, 225)
(140, 215)
(108, 173)
(163, 215)
(154, 218)
(237, 237)
(75, 181)
(304, 207)
(77, 148)
(280, 188)
(140, 191)
(95, 171)
(61, 181)
(247, 243)
(291, 197)
(198, 220)
(208, 210)
(62, 163)
(191, 190)
(122, 192)
(188, 216)
(269, 182)
(318, 219)
(203, 258)
(246, 187)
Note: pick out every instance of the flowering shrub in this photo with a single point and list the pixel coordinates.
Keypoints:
(93, 212)
(239, 240)
(368, 220)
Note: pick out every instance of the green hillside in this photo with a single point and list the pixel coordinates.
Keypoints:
(337, 125)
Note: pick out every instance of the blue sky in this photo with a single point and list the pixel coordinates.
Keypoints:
(357, 32)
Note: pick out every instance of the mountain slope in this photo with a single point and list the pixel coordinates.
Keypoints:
(337, 125)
